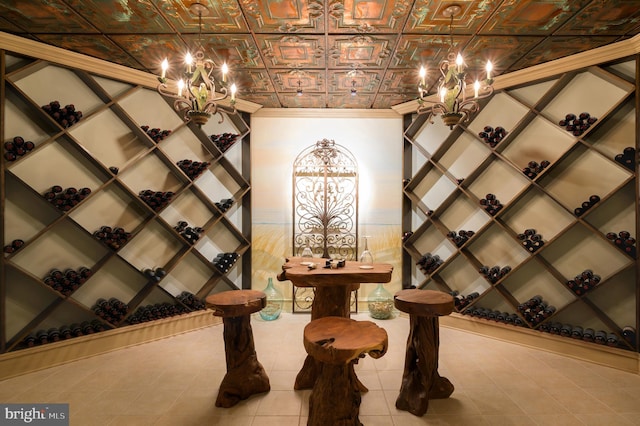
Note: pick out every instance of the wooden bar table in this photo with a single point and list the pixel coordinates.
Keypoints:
(333, 289)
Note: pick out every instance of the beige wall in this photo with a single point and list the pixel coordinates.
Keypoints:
(278, 136)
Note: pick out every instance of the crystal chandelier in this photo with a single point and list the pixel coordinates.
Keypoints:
(196, 98)
(452, 103)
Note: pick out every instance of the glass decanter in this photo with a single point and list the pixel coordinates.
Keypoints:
(275, 302)
(380, 303)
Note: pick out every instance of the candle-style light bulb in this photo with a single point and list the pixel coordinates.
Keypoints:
(234, 89)
(423, 75)
(476, 88)
(165, 67)
(225, 70)
(443, 93)
(459, 62)
(188, 60)
(489, 68)
(180, 86)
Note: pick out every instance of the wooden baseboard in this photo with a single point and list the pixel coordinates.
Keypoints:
(603, 355)
(25, 361)
(40, 357)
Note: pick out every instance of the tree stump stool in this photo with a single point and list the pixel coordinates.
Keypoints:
(337, 343)
(245, 375)
(421, 380)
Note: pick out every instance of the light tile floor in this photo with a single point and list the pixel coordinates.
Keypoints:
(175, 381)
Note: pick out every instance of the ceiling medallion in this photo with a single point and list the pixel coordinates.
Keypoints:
(452, 103)
(196, 98)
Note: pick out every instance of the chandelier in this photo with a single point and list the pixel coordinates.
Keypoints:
(452, 103)
(196, 98)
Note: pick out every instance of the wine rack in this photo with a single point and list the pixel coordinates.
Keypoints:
(120, 190)
(571, 183)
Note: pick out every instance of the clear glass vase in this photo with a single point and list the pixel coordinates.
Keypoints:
(275, 302)
(380, 303)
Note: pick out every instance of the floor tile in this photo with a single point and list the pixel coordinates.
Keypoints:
(175, 382)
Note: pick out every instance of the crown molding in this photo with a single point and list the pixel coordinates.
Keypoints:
(325, 113)
(35, 49)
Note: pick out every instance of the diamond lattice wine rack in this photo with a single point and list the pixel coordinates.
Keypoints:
(118, 211)
(542, 186)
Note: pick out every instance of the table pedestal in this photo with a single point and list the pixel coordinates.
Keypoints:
(328, 301)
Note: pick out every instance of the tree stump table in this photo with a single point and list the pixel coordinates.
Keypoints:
(245, 375)
(333, 289)
(337, 343)
(421, 380)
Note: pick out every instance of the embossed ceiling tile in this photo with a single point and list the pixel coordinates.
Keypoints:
(45, 16)
(122, 17)
(558, 47)
(427, 16)
(223, 16)
(293, 51)
(251, 81)
(346, 100)
(414, 51)
(403, 81)
(93, 45)
(617, 17)
(389, 100)
(286, 80)
(368, 16)
(267, 100)
(360, 51)
(362, 81)
(9, 26)
(284, 16)
(307, 100)
(502, 51)
(151, 50)
(532, 17)
(237, 50)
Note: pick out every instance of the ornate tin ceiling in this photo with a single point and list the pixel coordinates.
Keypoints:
(325, 47)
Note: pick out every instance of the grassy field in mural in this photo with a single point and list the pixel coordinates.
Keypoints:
(272, 243)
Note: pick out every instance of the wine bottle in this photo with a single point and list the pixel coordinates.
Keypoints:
(588, 335)
(577, 332)
(555, 327)
(600, 337)
(566, 330)
(65, 332)
(612, 340)
(29, 341)
(42, 337)
(87, 328)
(54, 334)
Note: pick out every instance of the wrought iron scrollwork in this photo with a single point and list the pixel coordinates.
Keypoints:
(325, 188)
